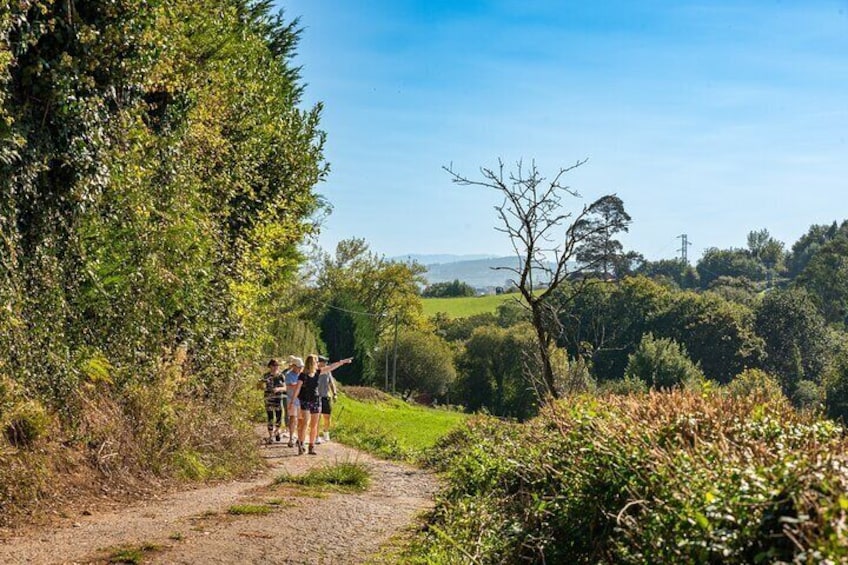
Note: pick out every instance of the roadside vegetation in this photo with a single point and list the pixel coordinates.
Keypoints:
(672, 477)
(153, 201)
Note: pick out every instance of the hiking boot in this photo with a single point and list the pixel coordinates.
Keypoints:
(277, 437)
(312, 450)
(290, 443)
(300, 448)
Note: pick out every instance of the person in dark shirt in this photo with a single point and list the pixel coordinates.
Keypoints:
(274, 384)
(310, 402)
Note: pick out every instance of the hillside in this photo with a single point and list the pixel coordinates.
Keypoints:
(479, 273)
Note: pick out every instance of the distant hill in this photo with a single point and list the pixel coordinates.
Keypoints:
(435, 258)
(479, 273)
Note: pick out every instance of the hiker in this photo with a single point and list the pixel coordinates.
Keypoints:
(310, 402)
(275, 388)
(326, 386)
(293, 404)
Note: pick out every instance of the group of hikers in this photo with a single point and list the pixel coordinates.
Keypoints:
(302, 394)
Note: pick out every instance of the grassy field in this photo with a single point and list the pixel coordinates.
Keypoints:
(389, 427)
(466, 306)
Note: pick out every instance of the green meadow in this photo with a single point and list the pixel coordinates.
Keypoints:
(389, 427)
(463, 307)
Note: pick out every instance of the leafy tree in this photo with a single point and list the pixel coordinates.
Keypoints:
(545, 239)
(718, 335)
(499, 373)
(673, 269)
(157, 174)
(387, 289)
(764, 248)
(729, 263)
(826, 279)
(836, 389)
(452, 289)
(626, 264)
(600, 250)
(795, 337)
(605, 322)
(460, 329)
(736, 289)
(425, 363)
(662, 364)
(755, 383)
(809, 244)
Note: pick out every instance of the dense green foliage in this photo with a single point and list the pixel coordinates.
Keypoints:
(156, 176)
(453, 289)
(424, 364)
(348, 332)
(659, 478)
(494, 365)
(662, 364)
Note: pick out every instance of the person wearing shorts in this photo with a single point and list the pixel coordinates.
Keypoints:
(310, 401)
(292, 385)
(326, 388)
(310, 405)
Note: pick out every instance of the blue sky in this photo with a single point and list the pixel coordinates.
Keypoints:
(707, 118)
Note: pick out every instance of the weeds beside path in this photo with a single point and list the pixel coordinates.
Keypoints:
(290, 524)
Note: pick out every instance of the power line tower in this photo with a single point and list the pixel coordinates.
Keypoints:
(684, 248)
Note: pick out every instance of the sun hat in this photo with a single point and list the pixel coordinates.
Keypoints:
(297, 362)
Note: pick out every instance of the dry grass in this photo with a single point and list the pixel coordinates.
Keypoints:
(366, 394)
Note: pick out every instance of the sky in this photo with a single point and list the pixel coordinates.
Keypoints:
(710, 118)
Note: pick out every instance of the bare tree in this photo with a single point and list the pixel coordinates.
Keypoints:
(545, 239)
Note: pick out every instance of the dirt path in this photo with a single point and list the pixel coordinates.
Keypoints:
(195, 526)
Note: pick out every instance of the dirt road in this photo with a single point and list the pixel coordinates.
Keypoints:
(197, 526)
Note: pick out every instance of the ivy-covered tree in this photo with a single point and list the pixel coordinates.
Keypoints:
(157, 176)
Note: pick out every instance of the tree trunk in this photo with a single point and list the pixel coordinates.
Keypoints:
(543, 340)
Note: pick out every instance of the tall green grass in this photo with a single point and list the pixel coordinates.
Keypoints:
(391, 428)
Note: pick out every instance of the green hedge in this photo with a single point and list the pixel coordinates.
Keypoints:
(675, 477)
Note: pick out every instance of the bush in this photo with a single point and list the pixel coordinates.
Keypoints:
(756, 383)
(673, 477)
(662, 363)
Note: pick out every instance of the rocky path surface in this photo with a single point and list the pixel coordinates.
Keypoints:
(198, 526)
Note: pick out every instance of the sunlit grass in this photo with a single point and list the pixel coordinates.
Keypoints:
(392, 429)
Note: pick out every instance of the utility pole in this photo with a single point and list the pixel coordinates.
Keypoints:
(386, 372)
(394, 368)
(684, 248)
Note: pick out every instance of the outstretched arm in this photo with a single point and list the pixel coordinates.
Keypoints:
(336, 365)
